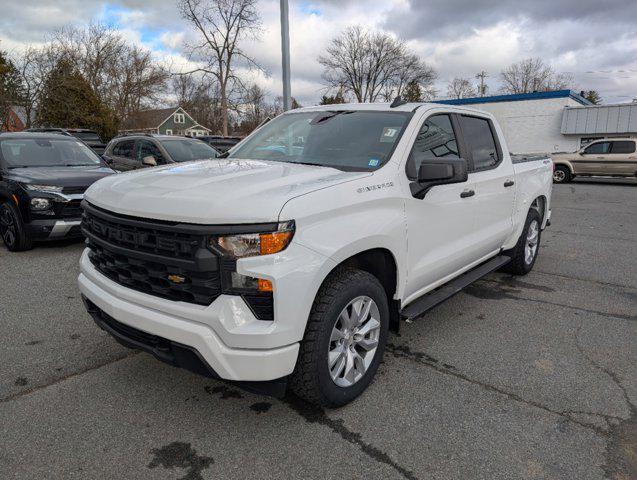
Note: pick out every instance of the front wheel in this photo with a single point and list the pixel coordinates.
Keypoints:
(12, 229)
(524, 254)
(344, 340)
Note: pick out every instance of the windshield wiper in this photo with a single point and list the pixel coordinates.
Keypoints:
(329, 116)
(224, 154)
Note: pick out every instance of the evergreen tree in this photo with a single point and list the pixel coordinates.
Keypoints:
(11, 89)
(593, 97)
(413, 92)
(332, 99)
(68, 101)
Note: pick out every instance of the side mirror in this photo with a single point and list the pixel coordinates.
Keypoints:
(438, 171)
(149, 161)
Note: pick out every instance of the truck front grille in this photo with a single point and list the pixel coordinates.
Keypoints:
(152, 257)
(155, 278)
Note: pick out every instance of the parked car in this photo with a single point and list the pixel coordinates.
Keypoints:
(43, 177)
(287, 263)
(130, 152)
(223, 144)
(613, 157)
(90, 137)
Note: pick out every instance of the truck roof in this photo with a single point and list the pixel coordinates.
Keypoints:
(386, 107)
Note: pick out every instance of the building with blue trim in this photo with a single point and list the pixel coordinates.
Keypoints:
(551, 122)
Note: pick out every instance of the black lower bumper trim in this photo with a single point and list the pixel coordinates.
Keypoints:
(174, 353)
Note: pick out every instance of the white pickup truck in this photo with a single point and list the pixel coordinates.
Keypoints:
(287, 263)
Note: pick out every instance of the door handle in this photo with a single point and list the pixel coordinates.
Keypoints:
(467, 193)
(509, 183)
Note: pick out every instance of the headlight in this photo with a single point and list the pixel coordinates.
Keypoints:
(39, 204)
(253, 244)
(44, 188)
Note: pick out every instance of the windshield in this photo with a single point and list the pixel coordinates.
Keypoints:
(45, 152)
(183, 150)
(348, 140)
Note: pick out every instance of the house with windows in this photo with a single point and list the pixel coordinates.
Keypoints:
(163, 121)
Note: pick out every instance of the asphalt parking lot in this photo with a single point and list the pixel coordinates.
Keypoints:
(532, 377)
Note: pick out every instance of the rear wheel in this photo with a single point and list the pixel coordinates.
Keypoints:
(524, 254)
(562, 174)
(344, 340)
(12, 229)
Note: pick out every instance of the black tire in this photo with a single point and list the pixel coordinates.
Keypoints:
(311, 379)
(562, 174)
(519, 264)
(12, 229)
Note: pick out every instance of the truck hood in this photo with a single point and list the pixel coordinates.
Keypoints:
(213, 191)
(80, 176)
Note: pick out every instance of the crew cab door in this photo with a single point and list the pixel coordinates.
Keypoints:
(440, 225)
(492, 175)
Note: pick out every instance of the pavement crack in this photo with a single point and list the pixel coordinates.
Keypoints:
(63, 379)
(403, 351)
(313, 414)
(507, 291)
(598, 282)
(621, 457)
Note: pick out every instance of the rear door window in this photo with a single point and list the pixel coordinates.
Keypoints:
(622, 147)
(125, 149)
(480, 141)
(599, 148)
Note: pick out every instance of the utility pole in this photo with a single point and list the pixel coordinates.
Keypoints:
(285, 55)
(482, 75)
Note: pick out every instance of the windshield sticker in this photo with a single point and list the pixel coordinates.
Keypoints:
(373, 162)
(389, 134)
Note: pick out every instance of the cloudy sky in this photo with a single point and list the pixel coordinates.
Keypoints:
(594, 40)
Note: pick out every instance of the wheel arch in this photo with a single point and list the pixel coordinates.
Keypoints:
(381, 263)
(564, 163)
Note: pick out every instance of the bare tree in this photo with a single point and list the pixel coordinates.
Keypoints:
(34, 66)
(124, 76)
(460, 88)
(533, 75)
(222, 24)
(372, 65)
(199, 95)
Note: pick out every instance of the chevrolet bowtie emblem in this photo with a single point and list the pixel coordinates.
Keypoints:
(177, 278)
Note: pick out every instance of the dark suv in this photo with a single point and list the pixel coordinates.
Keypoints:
(43, 177)
(130, 152)
(90, 137)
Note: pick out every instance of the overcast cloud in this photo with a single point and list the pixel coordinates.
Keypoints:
(594, 40)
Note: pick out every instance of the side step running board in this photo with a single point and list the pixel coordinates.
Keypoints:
(440, 294)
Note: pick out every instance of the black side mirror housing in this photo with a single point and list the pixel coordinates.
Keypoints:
(438, 171)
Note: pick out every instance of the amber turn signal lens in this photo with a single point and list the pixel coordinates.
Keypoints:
(274, 242)
(265, 285)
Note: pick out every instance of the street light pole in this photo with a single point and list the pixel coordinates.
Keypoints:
(285, 55)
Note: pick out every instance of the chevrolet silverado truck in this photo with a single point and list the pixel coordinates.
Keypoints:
(287, 263)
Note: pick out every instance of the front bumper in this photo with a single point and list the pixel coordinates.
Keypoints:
(192, 328)
(53, 229)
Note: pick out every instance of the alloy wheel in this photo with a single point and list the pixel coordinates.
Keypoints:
(532, 238)
(354, 341)
(7, 226)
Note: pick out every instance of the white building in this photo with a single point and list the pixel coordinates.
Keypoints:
(551, 122)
